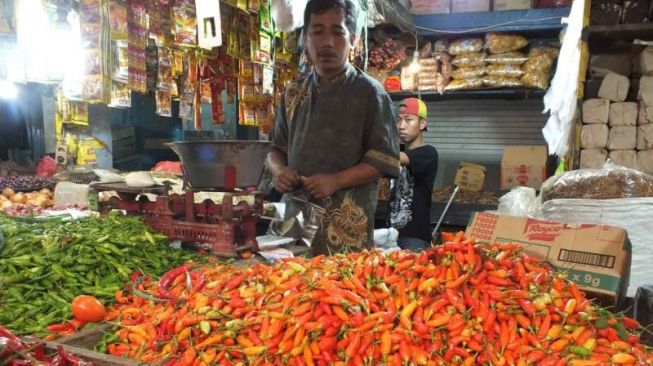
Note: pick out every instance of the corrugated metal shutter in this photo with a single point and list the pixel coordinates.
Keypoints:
(478, 130)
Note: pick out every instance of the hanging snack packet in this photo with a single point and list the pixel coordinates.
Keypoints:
(163, 103)
(185, 23)
(118, 19)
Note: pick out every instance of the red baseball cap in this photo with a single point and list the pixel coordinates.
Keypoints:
(413, 106)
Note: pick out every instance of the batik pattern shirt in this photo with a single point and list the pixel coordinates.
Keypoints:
(331, 127)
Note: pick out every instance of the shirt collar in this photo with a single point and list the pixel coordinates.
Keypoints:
(336, 80)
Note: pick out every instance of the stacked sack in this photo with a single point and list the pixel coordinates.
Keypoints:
(609, 129)
(498, 62)
(617, 129)
(645, 119)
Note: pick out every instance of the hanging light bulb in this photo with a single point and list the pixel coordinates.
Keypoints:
(414, 66)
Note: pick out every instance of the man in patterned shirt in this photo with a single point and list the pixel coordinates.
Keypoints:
(335, 133)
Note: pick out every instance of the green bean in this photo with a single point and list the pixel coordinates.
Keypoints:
(44, 264)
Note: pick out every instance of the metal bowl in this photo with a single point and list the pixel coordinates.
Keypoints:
(206, 163)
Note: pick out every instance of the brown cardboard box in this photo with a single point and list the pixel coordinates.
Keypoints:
(596, 257)
(466, 6)
(500, 5)
(470, 177)
(523, 166)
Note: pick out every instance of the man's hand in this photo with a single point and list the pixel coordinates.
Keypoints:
(287, 180)
(321, 185)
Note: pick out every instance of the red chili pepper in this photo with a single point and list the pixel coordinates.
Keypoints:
(528, 306)
(630, 323)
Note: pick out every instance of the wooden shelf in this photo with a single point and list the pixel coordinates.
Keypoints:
(432, 96)
(619, 32)
(531, 20)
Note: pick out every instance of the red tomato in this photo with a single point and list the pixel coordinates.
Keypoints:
(88, 309)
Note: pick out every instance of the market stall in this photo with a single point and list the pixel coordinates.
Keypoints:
(134, 228)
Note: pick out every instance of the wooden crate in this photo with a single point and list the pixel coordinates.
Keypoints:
(82, 344)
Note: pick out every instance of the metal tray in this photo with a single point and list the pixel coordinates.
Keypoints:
(208, 164)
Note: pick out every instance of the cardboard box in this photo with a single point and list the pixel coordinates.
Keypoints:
(523, 166)
(424, 7)
(468, 6)
(596, 257)
(500, 5)
(470, 177)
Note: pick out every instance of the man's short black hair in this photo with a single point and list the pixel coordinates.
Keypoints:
(320, 6)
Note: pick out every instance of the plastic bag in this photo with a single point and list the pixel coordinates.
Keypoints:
(501, 43)
(139, 180)
(302, 219)
(539, 80)
(168, 167)
(463, 46)
(504, 70)
(109, 175)
(544, 50)
(68, 193)
(288, 15)
(464, 84)
(541, 62)
(426, 51)
(469, 60)
(468, 73)
(501, 82)
(520, 201)
(386, 240)
(611, 182)
(511, 58)
(47, 167)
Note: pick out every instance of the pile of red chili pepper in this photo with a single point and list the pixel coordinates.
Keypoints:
(458, 304)
(17, 352)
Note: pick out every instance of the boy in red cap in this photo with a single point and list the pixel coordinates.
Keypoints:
(410, 207)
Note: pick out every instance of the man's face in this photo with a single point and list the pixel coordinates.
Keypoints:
(410, 127)
(328, 41)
